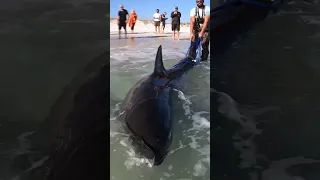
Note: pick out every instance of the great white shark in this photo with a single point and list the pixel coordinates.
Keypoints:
(72, 142)
(147, 111)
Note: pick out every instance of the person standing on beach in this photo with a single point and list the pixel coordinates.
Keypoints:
(163, 20)
(175, 23)
(199, 26)
(132, 19)
(156, 20)
(122, 20)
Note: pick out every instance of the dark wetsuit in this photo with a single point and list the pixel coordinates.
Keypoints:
(199, 20)
(175, 22)
(122, 19)
(163, 19)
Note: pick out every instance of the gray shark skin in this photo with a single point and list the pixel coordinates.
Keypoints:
(147, 109)
(74, 137)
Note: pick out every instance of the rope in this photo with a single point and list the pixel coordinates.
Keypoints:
(198, 53)
(164, 81)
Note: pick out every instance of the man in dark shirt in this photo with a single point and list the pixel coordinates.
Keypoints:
(163, 20)
(175, 22)
(123, 15)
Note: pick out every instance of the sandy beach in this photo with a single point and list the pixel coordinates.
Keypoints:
(145, 28)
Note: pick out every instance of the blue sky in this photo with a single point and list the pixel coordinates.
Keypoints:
(145, 9)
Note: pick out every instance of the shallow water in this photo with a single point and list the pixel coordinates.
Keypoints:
(133, 59)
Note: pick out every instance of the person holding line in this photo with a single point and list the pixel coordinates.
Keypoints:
(199, 26)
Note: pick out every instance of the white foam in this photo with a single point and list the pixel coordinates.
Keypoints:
(133, 160)
(246, 146)
(38, 163)
(228, 108)
(277, 170)
(200, 123)
(113, 112)
(200, 169)
(24, 143)
(186, 104)
(115, 136)
(313, 20)
(165, 174)
(199, 132)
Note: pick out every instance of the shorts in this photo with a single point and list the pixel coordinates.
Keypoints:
(175, 26)
(156, 23)
(122, 24)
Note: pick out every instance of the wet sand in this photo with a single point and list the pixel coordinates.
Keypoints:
(146, 29)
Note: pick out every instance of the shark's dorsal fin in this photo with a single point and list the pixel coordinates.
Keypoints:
(158, 65)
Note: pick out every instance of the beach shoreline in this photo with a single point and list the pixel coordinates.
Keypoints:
(146, 29)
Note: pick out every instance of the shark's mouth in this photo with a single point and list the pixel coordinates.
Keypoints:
(143, 150)
(147, 152)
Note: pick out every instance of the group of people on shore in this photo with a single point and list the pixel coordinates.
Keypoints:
(124, 18)
(161, 19)
(199, 23)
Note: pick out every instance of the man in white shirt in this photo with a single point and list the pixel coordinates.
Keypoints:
(156, 20)
(200, 27)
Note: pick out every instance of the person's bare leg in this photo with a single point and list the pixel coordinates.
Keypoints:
(159, 29)
(174, 35)
(178, 35)
(119, 34)
(125, 32)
